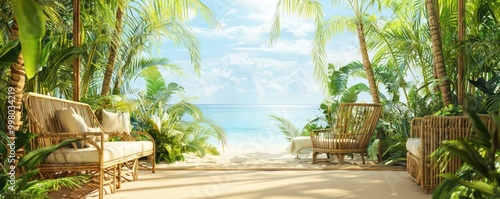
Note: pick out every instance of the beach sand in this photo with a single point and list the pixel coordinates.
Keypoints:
(251, 156)
(244, 157)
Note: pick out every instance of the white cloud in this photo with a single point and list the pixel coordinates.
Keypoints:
(211, 89)
(299, 46)
(237, 80)
(254, 23)
(242, 33)
(299, 28)
(222, 72)
(267, 73)
(239, 59)
(230, 12)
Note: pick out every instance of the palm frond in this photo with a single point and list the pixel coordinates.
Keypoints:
(287, 127)
(309, 9)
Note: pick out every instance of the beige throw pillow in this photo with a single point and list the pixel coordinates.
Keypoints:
(70, 121)
(116, 122)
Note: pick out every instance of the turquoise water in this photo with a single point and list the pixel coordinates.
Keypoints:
(251, 124)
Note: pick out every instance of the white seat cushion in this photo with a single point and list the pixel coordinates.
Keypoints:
(112, 151)
(85, 155)
(133, 147)
(413, 145)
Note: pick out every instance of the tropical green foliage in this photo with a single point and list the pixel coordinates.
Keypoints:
(290, 130)
(139, 25)
(479, 177)
(31, 22)
(177, 128)
(340, 89)
(489, 88)
(22, 185)
(399, 45)
(403, 59)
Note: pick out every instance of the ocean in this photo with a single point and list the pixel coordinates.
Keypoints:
(252, 125)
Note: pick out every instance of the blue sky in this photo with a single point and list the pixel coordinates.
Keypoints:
(240, 67)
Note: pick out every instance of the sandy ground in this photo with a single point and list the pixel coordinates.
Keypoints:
(251, 171)
(260, 157)
(243, 184)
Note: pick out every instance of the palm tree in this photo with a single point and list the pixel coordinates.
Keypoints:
(26, 17)
(17, 81)
(96, 20)
(310, 9)
(400, 44)
(439, 64)
(163, 18)
(357, 24)
(140, 35)
(115, 45)
(324, 32)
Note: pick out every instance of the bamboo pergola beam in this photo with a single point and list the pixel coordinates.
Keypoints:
(461, 55)
(76, 42)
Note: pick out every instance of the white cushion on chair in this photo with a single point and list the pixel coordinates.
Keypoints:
(85, 155)
(116, 122)
(112, 151)
(413, 145)
(134, 147)
(337, 143)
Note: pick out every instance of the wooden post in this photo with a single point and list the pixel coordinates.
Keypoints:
(76, 42)
(461, 56)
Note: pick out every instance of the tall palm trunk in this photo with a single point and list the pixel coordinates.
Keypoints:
(121, 72)
(17, 81)
(367, 64)
(113, 51)
(371, 82)
(439, 66)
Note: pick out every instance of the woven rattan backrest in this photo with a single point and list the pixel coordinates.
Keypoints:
(357, 121)
(41, 114)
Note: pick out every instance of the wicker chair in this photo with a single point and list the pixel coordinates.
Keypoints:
(426, 135)
(351, 133)
(103, 161)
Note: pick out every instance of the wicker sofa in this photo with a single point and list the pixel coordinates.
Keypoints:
(426, 135)
(106, 162)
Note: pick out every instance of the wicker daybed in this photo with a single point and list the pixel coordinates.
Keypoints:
(351, 133)
(102, 160)
(426, 135)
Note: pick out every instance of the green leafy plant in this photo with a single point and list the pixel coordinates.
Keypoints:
(25, 185)
(491, 89)
(290, 130)
(339, 90)
(177, 127)
(449, 110)
(479, 177)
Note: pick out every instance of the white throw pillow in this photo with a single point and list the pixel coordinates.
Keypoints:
(116, 122)
(97, 129)
(70, 121)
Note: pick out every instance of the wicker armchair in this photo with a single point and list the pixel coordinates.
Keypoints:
(353, 129)
(426, 135)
